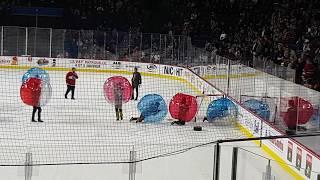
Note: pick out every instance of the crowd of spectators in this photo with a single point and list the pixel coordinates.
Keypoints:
(285, 32)
(258, 32)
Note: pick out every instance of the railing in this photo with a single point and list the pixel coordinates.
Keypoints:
(154, 48)
(203, 57)
(283, 106)
(129, 46)
(265, 81)
(87, 44)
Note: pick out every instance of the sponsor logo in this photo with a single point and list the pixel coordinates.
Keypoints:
(192, 79)
(81, 63)
(267, 132)
(5, 61)
(116, 65)
(92, 65)
(42, 62)
(14, 61)
(132, 66)
(172, 71)
(246, 121)
(152, 67)
(54, 63)
(211, 68)
(196, 70)
(278, 144)
(256, 126)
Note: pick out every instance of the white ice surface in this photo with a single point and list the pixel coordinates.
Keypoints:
(85, 131)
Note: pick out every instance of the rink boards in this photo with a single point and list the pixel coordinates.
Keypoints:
(249, 124)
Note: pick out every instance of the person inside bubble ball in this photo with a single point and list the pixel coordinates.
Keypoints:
(291, 114)
(151, 110)
(183, 109)
(35, 109)
(71, 82)
(118, 93)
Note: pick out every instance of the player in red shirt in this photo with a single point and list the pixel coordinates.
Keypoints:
(71, 82)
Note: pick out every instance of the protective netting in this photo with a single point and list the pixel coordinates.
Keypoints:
(216, 109)
(85, 130)
(263, 106)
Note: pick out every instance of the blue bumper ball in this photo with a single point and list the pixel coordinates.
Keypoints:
(258, 107)
(221, 108)
(153, 108)
(36, 73)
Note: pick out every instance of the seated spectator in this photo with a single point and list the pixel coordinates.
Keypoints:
(309, 69)
(317, 85)
(309, 83)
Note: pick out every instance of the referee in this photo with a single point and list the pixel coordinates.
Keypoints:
(136, 81)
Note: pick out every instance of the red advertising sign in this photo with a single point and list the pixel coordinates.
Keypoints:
(298, 158)
(289, 153)
(308, 169)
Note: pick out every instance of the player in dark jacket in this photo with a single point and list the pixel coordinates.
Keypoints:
(71, 82)
(136, 81)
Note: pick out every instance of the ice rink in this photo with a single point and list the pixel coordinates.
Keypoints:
(86, 130)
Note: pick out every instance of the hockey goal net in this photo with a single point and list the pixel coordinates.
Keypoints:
(265, 107)
(218, 106)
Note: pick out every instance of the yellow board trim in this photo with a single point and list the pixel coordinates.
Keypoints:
(272, 154)
(244, 130)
